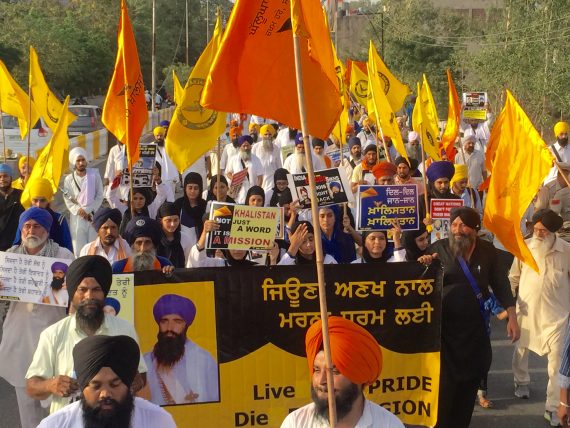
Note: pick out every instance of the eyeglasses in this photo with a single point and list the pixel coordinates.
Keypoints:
(29, 226)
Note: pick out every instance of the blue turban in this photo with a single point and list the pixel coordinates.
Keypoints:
(114, 303)
(439, 170)
(59, 266)
(299, 139)
(165, 123)
(174, 304)
(6, 169)
(39, 215)
(354, 141)
(335, 184)
(141, 226)
(103, 214)
(245, 138)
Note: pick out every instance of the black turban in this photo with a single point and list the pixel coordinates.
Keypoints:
(167, 209)
(285, 197)
(468, 216)
(412, 164)
(97, 267)
(255, 190)
(549, 219)
(317, 142)
(194, 178)
(142, 226)
(103, 214)
(280, 174)
(120, 353)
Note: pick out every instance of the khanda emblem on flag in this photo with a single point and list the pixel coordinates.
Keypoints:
(50, 107)
(361, 88)
(385, 81)
(194, 116)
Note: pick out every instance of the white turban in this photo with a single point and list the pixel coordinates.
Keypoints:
(75, 153)
(413, 136)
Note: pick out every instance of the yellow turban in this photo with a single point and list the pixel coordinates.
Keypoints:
(40, 188)
(253, 127)
(267, 128)
(461, 172)
(561, 128)
(24, 159)
(367, 122)
(159, 130)
(355, 352)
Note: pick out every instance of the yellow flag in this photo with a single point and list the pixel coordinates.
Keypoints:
(339, 131)
(53, 157)
(380, 109)
(395, 91)
(124, 111)
(359, 84)
(425, 122)
(178, 89)
(14, 101)
(46, 102)
(194, 129)
(518, 145)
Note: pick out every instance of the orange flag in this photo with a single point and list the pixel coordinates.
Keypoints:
(254, 69)
(124, 111)
(521, 163)
(453, 120)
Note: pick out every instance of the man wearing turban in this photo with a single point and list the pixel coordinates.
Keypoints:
(543, 305)
(245, 160)
(269, 155)
(560, 146)
(357, 362)
(40, 194)
(470, 266)
(556, 193)
(475, 161)
(109, 244)
(362, 173)
(25, 169)
(354, 158)
(106, 367)
(179, 371)
(25, 321)
(143, 235)
(384, 173)
(83, 195)
(460, 187)
(168, 171)
(10, 207)
(296, 163)
(88, 282)
(56, 293)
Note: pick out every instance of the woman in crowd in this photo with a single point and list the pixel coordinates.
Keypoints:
(192, 206)
(374, 248)
(415, 242)
(302, 246)
(280, 185)
(336, 242)
(255, 196)
(175, 244)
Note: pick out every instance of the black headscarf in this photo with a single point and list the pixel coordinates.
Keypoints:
(255, 190)
(172, 250)
(97, 267)
(148, 198)
(409, 243)
(366, 255)
(280, 174)
(120, 353)
(231, 261)
(192, 216)
(211, 196)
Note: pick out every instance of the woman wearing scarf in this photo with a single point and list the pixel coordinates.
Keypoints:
(374, 247)
(175, 244)
(302, 246)
(191, 206)
(212, 194)
(415, 242)
(143, 203)
(199, 258)
(336, 242)
(255, 197)
(280, 185)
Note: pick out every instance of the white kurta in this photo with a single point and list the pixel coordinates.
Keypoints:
(116, 162)
(270, 161)
(543, 303)
(21, 332)
(112, 255)
(145, 415)
(82, 230)
(195, 373)
(254, 170)
(475, 166)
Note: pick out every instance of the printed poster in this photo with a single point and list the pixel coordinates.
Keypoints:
(242, 227)
(332, 188)
(142, 169)
(120, 300)
(440, 209)
(377, 206)
(475, 105)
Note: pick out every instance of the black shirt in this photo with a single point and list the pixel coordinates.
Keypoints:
(10, 210)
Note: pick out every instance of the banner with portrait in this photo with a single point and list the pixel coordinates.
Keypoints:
(440, 210)
(332, 188)
(142, 169)
(247, 330)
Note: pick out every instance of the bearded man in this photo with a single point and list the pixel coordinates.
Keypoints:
(543, 305)
(168, 172)
(57, 294)
(109, 244)
(357, 362)
(269, 155)
(106, 367)
(25, 321)
(143, 235)
(88, 282)
(470, 267)
(296, 163)
(179, 371)
(244, 159)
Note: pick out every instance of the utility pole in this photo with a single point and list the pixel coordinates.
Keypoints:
(153, 56)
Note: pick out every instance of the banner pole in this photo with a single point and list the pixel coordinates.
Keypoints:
(468, 181)
(218, 168)
(318, 242)
(3, 133)
(428, 213)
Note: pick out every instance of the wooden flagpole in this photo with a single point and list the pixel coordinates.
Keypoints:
(468, 181)
(3, 133)
(318, 243)
(218, 168)
(428, 213)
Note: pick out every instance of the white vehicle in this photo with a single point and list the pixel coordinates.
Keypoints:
(39, 136)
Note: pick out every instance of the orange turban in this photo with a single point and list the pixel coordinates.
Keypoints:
(384, 169)
(235, 132)
(355, 352)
